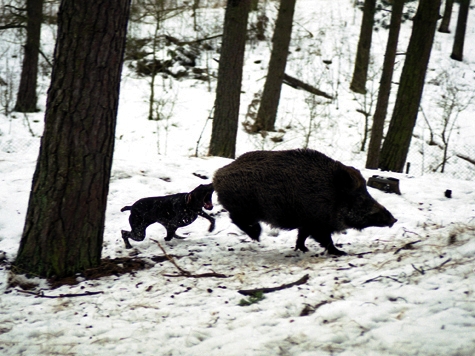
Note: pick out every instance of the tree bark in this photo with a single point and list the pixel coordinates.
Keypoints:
(398, 139)
(228, 90)
(27, 98)
(445, 23)
(459, 39)
(380, 112)
(267, 112)
(360, 74)
(64, 226)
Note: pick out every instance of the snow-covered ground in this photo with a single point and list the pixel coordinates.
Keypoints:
(405, 290)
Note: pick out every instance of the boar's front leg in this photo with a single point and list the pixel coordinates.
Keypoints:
(252, 228)
(324, 238)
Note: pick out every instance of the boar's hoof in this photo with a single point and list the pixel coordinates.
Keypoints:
(302, 248)
(334, 251)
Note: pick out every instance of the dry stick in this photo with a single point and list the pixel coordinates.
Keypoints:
(40, 294)
(171, 259)
(310, 309)
(298, 84)
(407, 246)
(421, 271)
(376, 278)
(466, 158)
(183, 272)
(443, 263)
(302, 280)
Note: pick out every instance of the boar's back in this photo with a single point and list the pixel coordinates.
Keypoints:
(287, 189)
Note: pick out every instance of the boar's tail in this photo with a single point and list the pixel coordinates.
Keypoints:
(126, 208)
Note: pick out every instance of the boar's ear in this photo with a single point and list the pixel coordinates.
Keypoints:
(348, 179)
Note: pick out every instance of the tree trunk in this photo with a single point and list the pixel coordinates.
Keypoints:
(26, 98)
(267, 112)
(398, 139)
(459, 39)
(445, 23)
(379, 117)
(228, 90)
(360, 74)
(64, 226)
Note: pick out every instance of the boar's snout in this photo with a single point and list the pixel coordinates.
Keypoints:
(380, 216)
(393, 220)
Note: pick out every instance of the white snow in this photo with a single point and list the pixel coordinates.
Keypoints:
(405, 290)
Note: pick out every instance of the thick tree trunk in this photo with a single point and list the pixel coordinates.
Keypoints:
(267, 112)
(360, 74)
(398, 139)
(228, 90)
(445, 23)
(459, 39)
(379, 117)
(64, 225)
(26, 98)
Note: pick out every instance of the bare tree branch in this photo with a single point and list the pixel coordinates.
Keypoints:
(298, 84)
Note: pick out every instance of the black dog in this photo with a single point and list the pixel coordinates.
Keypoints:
(172, 211)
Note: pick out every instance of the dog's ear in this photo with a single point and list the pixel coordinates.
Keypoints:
(188, 199)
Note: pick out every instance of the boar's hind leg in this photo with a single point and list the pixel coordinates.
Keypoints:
(324, 238)
(252, 228)
(302, 236)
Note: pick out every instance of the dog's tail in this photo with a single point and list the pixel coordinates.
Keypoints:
(126, 208)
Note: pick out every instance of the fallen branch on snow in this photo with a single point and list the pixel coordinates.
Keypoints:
(42, 295)
(185, 273)
(377, 278)
(302, 280)
(310, 309)
(407, 246)
(298, 84)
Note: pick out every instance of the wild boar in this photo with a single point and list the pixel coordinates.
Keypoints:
(297, 189)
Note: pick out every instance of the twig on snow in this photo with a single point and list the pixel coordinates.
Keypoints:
(310, 309)
(302, 280)
(361, 254)
(199, 275)
(376, 278)
(406, 231)
(443, 263)
(42, 295)
(421, 271)
(183, 272)
(407, 246)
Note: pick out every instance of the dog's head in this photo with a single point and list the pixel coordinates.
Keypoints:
(200, 197)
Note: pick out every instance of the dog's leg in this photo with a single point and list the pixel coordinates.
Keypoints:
(135, 234)
(138, 225)
(171, 233)
(125, 237)
(209, 218)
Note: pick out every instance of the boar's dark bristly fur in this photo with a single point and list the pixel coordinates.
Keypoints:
(297, 189)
